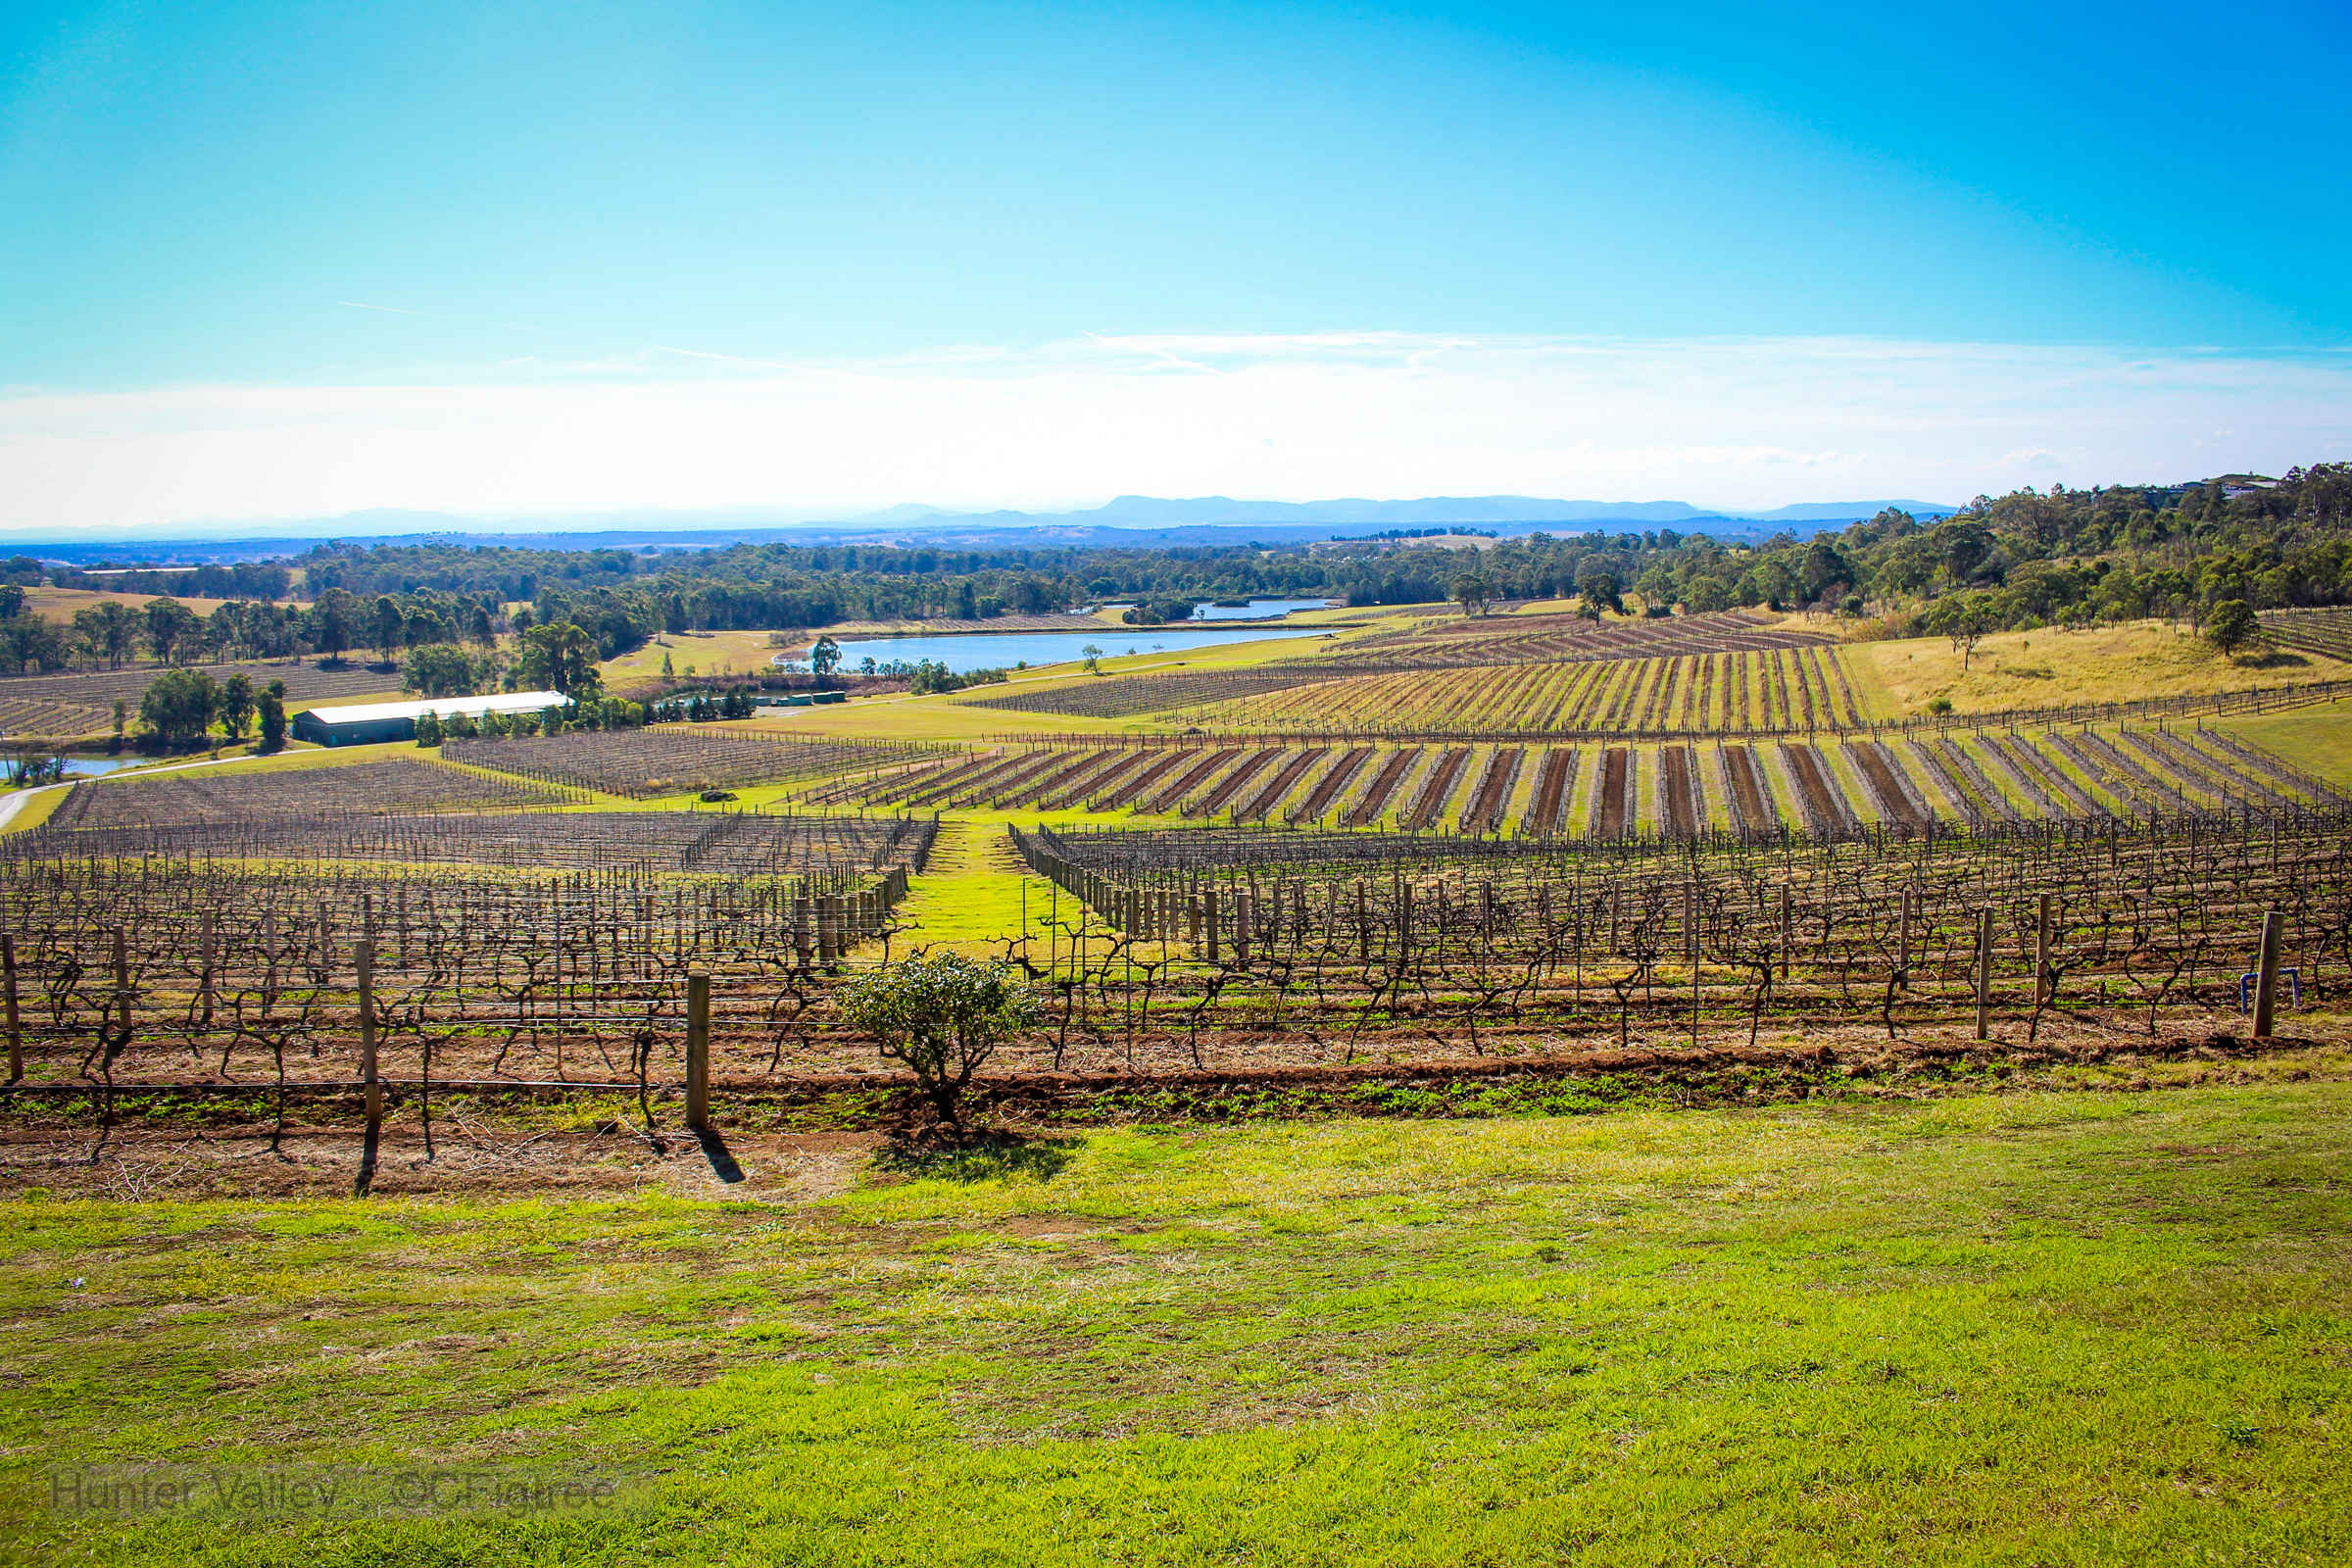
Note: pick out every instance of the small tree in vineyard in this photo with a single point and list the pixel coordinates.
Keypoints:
(940, 1016)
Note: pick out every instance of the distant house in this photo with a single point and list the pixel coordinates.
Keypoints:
(368, 722)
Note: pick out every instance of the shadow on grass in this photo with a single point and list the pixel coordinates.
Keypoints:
(989, 1156)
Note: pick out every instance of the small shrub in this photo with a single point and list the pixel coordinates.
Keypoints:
(942, 1017)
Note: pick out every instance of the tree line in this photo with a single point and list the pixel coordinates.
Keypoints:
(2023, 558)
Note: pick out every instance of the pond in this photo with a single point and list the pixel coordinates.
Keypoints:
(90, 766)
(1261, 609)
(965, 651)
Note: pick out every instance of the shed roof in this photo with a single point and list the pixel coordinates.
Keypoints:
(442, 708)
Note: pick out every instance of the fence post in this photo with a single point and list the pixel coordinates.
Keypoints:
(8, 986)
(1208, 920)
(2042, 955)
(1788, 929)
(1902, 946)
(123, 985)
(698, 1052)
(1983, 973)
(2266, 976)
(211, 952)
(367, 1065)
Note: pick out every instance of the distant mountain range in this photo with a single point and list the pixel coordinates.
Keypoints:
(1486, 512)
(1131, 521)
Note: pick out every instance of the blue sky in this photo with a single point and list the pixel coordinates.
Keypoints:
(537, 215)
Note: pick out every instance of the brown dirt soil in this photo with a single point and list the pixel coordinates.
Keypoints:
(793, 1139)
(467, 1157)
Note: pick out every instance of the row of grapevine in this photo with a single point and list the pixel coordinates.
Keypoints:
(1556, 637)
(1782, 690)
(1826, 789)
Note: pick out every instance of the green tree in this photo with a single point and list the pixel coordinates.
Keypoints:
(31, 640)
(1470, 591)
(1600, 593)
(2233, 625)
(941, 1017)
(1966, 618)
(560, 656)
(179, 705)
(236, 705)
(331, 618)
(108, 631)
(385, 626)
(271, 705)
(440, 669)
(169, 623)
(825, 655)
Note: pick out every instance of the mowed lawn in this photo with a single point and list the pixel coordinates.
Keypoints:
(2043, 1329)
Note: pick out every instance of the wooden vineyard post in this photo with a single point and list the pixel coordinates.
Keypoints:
(1902, 942)
(1983, 973)
(2042, 953)
(122, 986)
(698, 1052)
(1364, 924)
(1690, 928)
(2266, 974)
(1788, 929)
(8, 993)
(375, 1086)
(1209, 921)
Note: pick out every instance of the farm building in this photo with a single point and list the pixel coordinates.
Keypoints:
(368, 722)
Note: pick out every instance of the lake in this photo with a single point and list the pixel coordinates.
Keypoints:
(965, 651)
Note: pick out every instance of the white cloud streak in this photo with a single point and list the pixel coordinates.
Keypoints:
(1724, 422)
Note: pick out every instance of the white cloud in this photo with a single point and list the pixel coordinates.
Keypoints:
(1726, 423)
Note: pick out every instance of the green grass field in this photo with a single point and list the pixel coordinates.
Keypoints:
(2078, 1327)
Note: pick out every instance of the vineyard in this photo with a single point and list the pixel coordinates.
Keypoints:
(2325, 632)
(1709, 659)
(195, 796)
(1162, 691)
(66, 705)
(1829, 788)
(1164, 951)
(258, 819)
(1778, 691)
(1523, 835)
(121, 971)
(1335, 939)
(673, 758)
(1556, 638)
